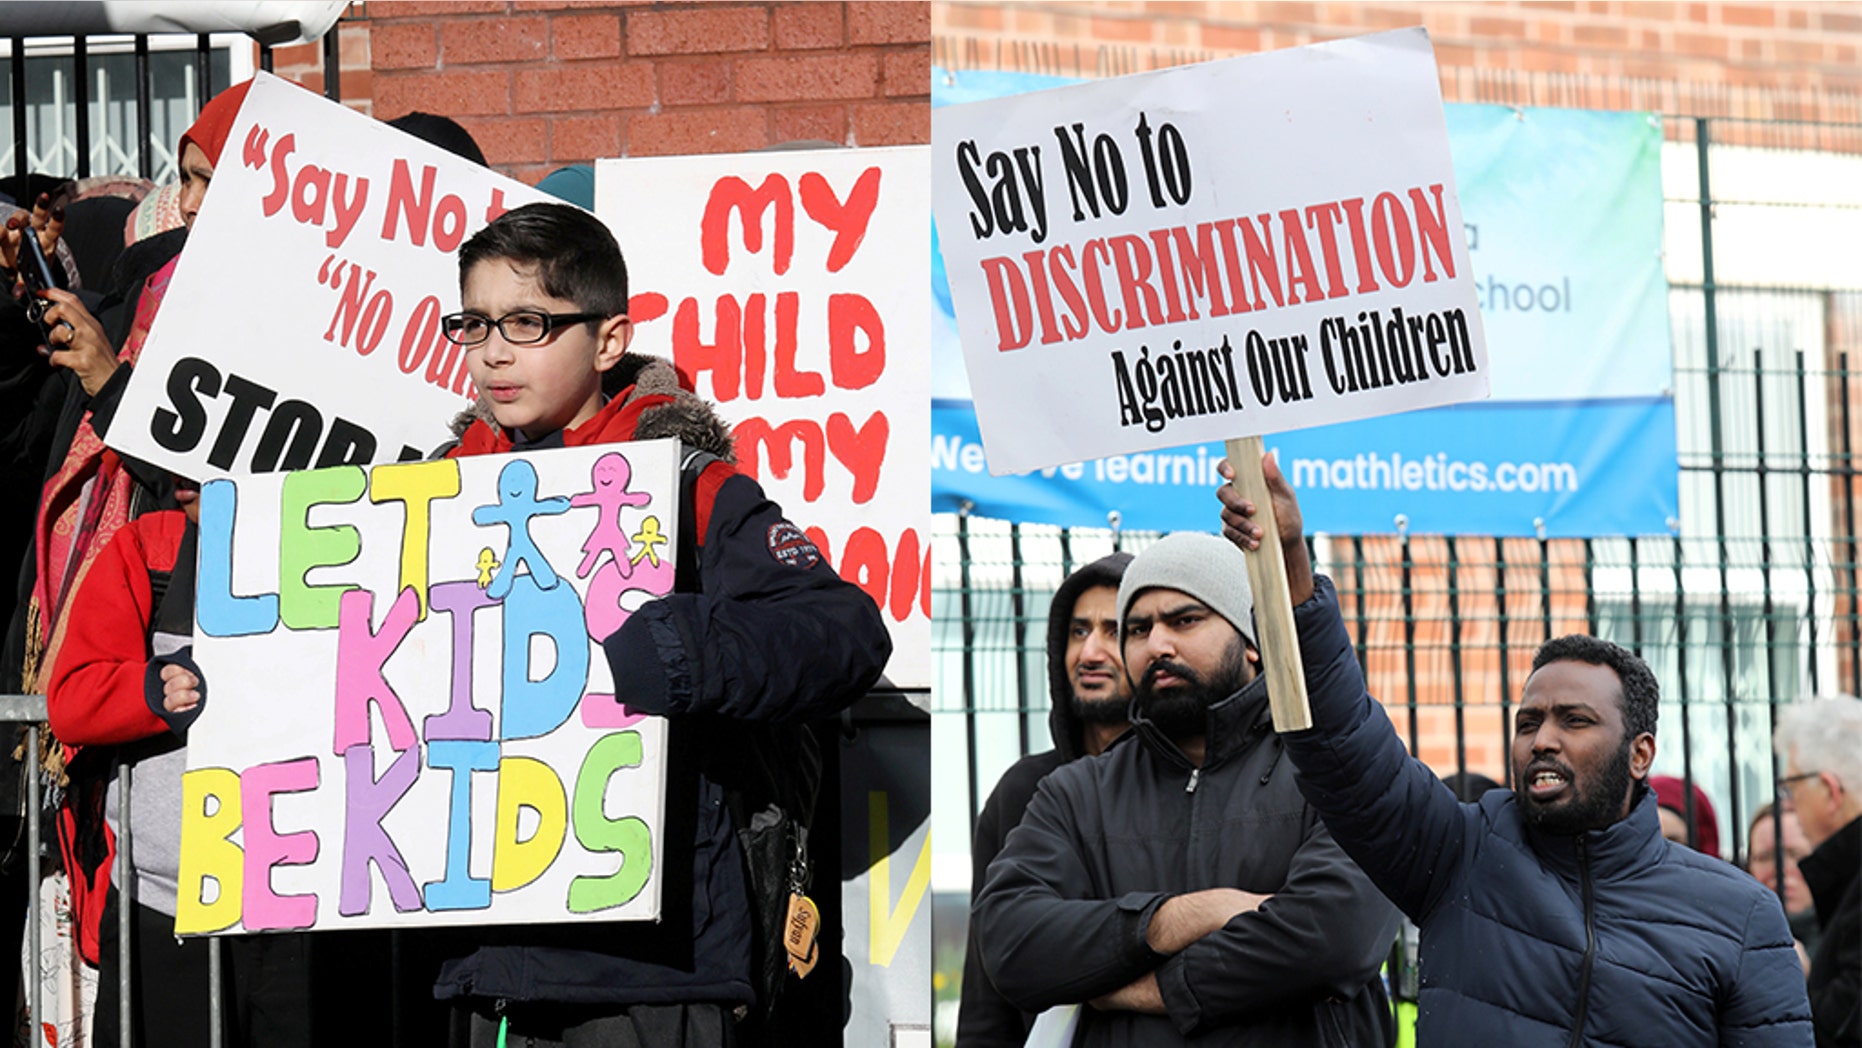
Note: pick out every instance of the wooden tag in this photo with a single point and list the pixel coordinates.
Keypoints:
(800, 930)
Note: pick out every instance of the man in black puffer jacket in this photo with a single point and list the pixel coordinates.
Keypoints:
(1178, 882)
(1553, 914)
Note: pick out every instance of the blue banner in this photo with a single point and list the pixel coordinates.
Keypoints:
(1563, 210)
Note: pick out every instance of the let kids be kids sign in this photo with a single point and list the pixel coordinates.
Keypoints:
(302, 326)
(1221, 250)
(408, 718)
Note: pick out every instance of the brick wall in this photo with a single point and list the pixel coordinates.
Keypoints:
(1798, 54)
(545, 83)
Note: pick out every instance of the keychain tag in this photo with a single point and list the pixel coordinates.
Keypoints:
(799, 933)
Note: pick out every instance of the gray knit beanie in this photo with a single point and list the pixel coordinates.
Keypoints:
(1213, 570)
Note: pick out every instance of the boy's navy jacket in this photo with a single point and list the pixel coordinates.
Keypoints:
(759, 630)
(1613, 937)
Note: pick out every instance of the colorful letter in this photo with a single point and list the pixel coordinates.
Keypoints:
(459, 890)
(221, 613)
(360, 655)
(538, 707)
(629, 836)
(266, 848)
(462, 720)
(302, 547)
(367, 801)
(415, 484)
(210, 815)
(525, 782)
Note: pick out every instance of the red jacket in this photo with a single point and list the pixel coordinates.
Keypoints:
(95, 696)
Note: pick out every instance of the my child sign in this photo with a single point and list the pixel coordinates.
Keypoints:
(1221, 250)
(409, 719)
(302, 326)
(791, 287)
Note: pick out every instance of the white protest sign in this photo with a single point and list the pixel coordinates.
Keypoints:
(302, 326)
(1234, 248)
(790, 287)
(408, 720)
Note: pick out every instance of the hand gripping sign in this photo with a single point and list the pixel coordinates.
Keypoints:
(791, 287)
(302, 326)
(410, 720)
(1229, 249)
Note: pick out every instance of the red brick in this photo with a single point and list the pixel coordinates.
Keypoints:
(695, 82)
(573, 5)
(477, 40)
(906, 73)
(805, 27)
(384, 9)
(1540, 60)
(477, 93)
(733, 130)
(578, 138)
(510, 140)
(1838, 22)
(1800, 52)
(888, 23)
(1454, 56)
(1122, 30)
(1601, 35)
(1757, 15)
(1701, 45)
(807, 78)
(298, 55)
(584, 85)
(1799, 19)
(826, 123)
(357, 86)
(891, 124)
(1504, 28)
(585, 36)
(528, 174)
(698, 31)
(965, 16)
(1651, 10)
(1231, 38)
(404, 45)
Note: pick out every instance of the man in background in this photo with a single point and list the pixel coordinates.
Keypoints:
(1089, 698)
(1820, 743)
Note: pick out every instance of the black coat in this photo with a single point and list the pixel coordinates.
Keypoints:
(1107, 840)
(1834, 873)
(1615, 934)
(985, 1018)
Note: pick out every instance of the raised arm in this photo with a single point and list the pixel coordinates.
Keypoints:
(1386, 809)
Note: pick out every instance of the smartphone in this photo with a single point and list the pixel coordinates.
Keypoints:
(36, 270)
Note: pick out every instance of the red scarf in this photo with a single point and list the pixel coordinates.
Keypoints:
(613, 424)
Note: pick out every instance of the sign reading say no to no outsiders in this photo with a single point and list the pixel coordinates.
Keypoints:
(791, 287)
(1241, 247)
(409, 719)
(302, 326)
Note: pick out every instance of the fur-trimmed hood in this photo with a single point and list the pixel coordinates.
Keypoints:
(666, 407)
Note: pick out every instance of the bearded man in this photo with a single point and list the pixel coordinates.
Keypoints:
(1554, 913)
(1178, 883)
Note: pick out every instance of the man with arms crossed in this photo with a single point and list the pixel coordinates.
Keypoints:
(1178, 883)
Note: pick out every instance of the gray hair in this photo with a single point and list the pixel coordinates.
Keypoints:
(1823, 734)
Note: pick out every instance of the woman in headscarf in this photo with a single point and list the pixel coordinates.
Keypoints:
(89, 492)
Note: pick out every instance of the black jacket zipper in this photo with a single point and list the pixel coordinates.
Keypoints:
(1590, 947)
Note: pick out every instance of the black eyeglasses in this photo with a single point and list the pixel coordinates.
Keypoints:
(521, 327)
(1785, 782)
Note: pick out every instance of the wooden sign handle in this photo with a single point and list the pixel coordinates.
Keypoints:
(1273, 599)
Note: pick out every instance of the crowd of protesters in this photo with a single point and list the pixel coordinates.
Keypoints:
(753, 642)
(1162, 892)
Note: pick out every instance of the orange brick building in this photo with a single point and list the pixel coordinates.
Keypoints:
(546, 83)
